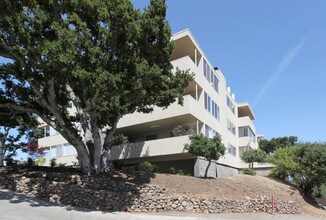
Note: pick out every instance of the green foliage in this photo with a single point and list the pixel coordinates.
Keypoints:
(181, 130)
(119, 138)
(53, 162)
(16, 131)
(104, 58)
(62, 165)
(30, 162)
(146, 167)
(269, 146)
(286, 165)
(251, 156)
(40, 161)
(249, 171)
(303, 165)
(202, 146)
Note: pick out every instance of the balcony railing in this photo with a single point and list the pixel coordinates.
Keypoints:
(166, 146)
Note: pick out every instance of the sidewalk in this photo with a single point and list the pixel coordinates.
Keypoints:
(15, 206)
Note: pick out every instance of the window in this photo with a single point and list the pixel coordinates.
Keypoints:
(230, 104)
(46, 131)
(243, 149)
(68, 150)
(56, 150)
(205, 96)
(231, 127)
(210, 75)
(211, 106)
(232, 150)
(247, 132)
(210, 132)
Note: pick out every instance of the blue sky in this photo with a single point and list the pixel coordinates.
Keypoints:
(272, 53)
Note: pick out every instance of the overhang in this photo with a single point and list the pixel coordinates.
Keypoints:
(244, 110)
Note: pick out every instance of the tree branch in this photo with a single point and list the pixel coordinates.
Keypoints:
(11, 56)
(80, 112)
(18, 108)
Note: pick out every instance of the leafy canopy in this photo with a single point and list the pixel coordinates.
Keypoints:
(304, 164)
(251, 156)
(202, 146)
(269, 146)
(100, 58)
(16, 130)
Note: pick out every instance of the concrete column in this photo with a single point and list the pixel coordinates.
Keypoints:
(196, 56)
(196, 92)
(197, 126)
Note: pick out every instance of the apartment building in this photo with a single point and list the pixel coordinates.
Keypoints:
(209, 108)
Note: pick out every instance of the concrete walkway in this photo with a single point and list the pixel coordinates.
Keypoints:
(15, 206)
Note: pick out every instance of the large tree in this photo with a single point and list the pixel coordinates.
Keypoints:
(82, 65)
(303, 164)
(269, 146)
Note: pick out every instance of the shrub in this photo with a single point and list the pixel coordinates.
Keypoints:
(172, 170)
(30, 162)
(180, 172)
(249, 171)
(181, 130)
(10, 162)
(53, 162)
(146, 167)
(40, 161)
(62, 165)
(119, 138)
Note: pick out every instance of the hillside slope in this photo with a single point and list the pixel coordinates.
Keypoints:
(140, 192)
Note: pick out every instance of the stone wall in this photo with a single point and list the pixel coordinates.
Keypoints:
(116, 195)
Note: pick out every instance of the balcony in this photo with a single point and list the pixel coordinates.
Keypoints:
(174, 110)
(159, 147)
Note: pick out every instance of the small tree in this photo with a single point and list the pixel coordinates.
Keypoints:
(202, 146)
(15, 128)
(251, 156)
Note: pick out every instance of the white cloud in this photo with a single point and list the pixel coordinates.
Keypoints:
(281, 67)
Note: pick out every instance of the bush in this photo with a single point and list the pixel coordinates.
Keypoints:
(53, 162)
(249, 171)
(146, 167)
(40, 161)
(62, 165)
(119, 138)
(181, 130)
(30, 162)
(10, 162)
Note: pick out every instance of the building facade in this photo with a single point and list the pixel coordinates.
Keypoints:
(209, 108)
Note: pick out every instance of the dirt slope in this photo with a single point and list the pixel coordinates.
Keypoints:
(234, 187)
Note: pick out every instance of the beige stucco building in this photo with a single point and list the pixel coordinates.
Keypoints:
(209, 108)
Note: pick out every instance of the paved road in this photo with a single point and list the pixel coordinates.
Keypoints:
(15, 206)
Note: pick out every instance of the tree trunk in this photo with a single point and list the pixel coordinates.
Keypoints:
(2, 152)
(2, 157)
(209, 164)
